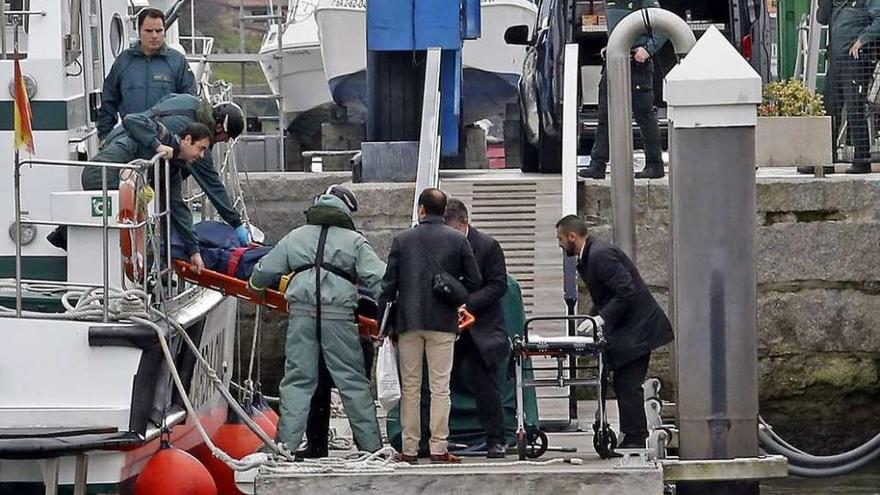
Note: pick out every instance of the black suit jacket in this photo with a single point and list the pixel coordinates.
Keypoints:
(635, 324)
(489, 333)
(408, 278)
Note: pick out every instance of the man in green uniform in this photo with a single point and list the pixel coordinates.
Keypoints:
(143, 74)
(328, 257)
(143, 135)
(642, 96)
(853, 25)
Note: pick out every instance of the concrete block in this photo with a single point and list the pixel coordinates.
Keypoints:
(293, 155)
(773, 146)
(512, 144)
(340, 137)
(818, 251)
(395, 161)
(475, 148)
(850, 194)
(819, 320)
(461, 480)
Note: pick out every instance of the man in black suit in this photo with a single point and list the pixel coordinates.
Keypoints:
(633, 323)
(480, 350)
(425, 324)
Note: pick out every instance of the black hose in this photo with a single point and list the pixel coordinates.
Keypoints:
(806, 466)
(801, 457)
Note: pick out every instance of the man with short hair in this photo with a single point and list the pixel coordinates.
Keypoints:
(157, 131)
(143, 74)
(426, 323)
(484, 347)
(632, 321)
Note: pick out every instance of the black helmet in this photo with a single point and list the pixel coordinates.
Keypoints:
(345, 195)
(230, 116)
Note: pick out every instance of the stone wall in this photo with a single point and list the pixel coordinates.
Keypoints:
(818, 297)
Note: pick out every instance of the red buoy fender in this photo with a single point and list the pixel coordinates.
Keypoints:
(237, 440)
(172, 471)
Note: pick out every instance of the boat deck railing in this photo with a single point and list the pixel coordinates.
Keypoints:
(150, 225)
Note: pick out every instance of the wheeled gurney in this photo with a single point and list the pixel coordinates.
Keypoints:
(531, 441)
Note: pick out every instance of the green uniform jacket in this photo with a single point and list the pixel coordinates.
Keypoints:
(345, 249)
(848, 21)
(174, 113)
(136, 82)
(616, 10)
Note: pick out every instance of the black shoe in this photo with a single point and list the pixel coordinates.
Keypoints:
(596, 170)
(312, 453)
(651, 172)
(496, 451)
(859, 168)
(811, 170)
(58, 237)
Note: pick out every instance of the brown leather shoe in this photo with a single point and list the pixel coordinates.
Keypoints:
(445, 458)
(409, 459)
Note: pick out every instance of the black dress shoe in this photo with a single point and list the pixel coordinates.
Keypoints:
(496, 451)
(311, 453)
(594, 171)
(859, 168)
(651, 172)
(811, 170)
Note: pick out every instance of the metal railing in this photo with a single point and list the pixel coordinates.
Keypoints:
(142, 166)
(429, 136)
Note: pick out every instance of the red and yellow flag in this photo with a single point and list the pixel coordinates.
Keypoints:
(24, 136)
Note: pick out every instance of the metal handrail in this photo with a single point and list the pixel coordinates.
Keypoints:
(139, 165)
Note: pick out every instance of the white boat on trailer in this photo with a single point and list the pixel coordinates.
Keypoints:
(85, 384)
(491, 67)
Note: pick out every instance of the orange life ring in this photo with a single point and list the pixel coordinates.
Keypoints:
(131, 241)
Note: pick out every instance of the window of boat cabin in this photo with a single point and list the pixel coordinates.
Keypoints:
(9, 21)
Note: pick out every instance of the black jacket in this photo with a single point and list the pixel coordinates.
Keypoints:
(489, 332)
(408, 278)
(634, 323)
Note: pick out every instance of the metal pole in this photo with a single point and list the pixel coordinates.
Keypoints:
(3, 28)
(167, 166)
(279, 103)
(105, 240)
(620, 110)
(17, 235)
(812, 62)
(81, 474)
(17, 191)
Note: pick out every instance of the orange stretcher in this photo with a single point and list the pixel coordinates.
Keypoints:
(275, 300)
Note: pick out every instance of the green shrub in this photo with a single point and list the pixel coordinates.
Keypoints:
(790, 98)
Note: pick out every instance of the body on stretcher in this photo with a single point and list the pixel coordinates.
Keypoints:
(228, 267)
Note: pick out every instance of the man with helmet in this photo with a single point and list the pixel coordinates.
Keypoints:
(143, 135)
(328, 258)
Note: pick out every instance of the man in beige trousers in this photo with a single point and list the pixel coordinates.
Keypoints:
(425, 323)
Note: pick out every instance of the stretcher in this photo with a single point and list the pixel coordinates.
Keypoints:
(532, 441)
(273, 299)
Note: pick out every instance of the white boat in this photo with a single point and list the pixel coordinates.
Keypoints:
(71, 386)
(491, 67)
(302, 84)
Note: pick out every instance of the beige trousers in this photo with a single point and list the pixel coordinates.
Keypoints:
(438, 347)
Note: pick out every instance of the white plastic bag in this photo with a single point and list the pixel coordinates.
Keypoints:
(388, 382)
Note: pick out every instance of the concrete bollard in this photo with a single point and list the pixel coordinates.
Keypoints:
(713, 96)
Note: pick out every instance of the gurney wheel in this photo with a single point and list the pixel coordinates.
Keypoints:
(536, 443)
(604, 441)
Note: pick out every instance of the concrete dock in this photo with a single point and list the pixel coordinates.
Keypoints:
(552, 473)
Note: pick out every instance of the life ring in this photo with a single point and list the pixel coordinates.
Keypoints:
(132, 242)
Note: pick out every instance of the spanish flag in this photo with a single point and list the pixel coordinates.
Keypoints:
(24, 136)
